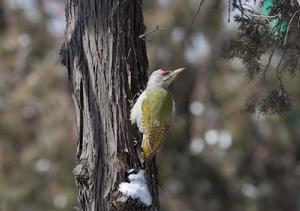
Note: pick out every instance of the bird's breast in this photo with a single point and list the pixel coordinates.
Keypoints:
(160, 103)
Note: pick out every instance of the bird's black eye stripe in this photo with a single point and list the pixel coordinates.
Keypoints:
(165, 73)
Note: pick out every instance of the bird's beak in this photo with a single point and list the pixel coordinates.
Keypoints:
(177, 71)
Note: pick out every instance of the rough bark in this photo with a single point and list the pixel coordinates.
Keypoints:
(107, 66)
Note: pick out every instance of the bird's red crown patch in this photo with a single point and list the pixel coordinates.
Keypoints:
(164, 69)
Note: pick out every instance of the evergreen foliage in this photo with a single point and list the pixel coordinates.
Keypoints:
(274, 35)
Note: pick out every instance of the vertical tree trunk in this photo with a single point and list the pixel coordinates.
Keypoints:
(107, 65)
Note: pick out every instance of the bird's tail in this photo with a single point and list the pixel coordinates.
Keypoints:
(148, 151)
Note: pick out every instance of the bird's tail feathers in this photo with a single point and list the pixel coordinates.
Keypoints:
(147, 148)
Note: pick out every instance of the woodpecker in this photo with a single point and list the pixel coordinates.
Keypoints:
(154, 110)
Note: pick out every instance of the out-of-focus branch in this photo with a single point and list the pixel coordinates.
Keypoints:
(195, 16)
(157, 28)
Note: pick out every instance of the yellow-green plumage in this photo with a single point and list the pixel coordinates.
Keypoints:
(153, 110)
(157, 110)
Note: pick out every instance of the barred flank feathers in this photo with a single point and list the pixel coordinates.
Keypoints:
(155, 133)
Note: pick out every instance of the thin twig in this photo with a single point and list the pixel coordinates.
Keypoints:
(157, 28)
(278, 66)
(195, 16)
(241, 9)
(267, 66)
(263, 16)
(288, 28)
(249, 6)
(267, 17)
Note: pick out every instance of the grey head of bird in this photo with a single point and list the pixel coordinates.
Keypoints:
(163, 77)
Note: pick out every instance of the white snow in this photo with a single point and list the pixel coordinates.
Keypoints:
(130, 171)
(137, 188)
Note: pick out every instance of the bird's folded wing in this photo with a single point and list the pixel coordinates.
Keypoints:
(155, 129)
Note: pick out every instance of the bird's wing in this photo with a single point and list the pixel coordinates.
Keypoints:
(136, 116)
(156, 122)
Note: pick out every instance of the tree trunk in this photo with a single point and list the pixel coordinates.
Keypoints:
(107, 66)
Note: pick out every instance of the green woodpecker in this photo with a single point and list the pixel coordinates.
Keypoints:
(154, 109)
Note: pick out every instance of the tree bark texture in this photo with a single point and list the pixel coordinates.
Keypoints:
(107, 66)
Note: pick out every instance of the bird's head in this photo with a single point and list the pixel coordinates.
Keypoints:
(163, 77)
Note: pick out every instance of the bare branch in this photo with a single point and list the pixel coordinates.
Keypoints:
(157, 28)
(195, 16)
(288, 28)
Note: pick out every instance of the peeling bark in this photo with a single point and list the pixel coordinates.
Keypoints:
(107, 65)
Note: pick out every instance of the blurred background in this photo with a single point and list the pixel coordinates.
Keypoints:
(217, 158)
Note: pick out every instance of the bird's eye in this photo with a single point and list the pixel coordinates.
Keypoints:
(165, 73)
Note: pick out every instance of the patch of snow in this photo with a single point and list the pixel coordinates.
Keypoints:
(136, 188)
(130, 171)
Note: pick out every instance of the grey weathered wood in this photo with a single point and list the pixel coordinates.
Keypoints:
(107, 66)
